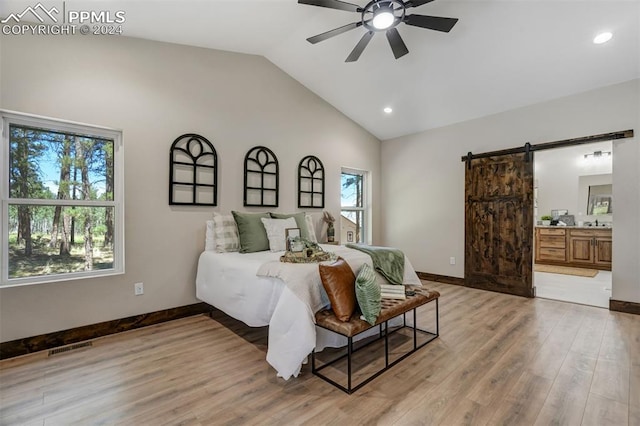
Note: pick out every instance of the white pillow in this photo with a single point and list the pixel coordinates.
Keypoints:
(209, 240)
(276, 232)
(225, 233)
(311, 228)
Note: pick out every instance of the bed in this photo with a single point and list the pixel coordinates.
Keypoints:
(256, 288)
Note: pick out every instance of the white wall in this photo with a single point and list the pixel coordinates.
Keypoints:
(423, 185)
(559, 173)
(155, 92)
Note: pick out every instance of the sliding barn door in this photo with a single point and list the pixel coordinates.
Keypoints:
(499, 224)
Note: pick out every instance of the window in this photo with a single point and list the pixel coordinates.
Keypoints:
(354, 214)
(62, 201)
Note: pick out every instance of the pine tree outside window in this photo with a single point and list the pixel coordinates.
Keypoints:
(62, 201)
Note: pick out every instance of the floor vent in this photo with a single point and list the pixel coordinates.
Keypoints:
(69, 348)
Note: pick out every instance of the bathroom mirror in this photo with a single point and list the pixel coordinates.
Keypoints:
(599, 202)
(595, 197)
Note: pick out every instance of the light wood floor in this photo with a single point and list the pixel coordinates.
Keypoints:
(499, 360)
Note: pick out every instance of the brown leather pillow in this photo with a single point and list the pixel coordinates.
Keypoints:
(340, 284)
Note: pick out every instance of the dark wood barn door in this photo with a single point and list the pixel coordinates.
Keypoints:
(499, 224)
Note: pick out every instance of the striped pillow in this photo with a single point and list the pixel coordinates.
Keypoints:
(225, 233)
(311, 229)
(368, 294)
(209, 239)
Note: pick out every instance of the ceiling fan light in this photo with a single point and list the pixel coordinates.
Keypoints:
(383, 18)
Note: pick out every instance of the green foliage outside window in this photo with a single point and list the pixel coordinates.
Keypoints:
(60, 219)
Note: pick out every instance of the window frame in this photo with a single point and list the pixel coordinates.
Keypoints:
(365, 209)
(8, 118)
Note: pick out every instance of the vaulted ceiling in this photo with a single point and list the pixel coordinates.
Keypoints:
(501, 54)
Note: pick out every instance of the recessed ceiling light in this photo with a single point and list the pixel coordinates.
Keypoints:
(388, 110)
(602, 38)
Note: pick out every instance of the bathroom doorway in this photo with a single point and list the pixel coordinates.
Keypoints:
(573, 211)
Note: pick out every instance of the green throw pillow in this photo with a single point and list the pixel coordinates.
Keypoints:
(300, 221)
(253, 236)
(368, 294)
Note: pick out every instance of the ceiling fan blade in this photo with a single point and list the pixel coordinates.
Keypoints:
(397, 45)
(333, 4)
(431, 22)
(322, 37)
(357, 51)
(416, 3)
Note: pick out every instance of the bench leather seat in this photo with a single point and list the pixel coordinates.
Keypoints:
(390, 308)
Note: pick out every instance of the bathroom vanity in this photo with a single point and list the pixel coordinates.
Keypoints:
(577, 246)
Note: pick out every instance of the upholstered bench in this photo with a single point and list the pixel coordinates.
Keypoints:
(391, 308)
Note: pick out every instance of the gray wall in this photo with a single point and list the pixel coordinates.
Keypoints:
(155, 92)
(423, 186)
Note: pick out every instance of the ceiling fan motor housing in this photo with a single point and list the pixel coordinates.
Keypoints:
(396, 7)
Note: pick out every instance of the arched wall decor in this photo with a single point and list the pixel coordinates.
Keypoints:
(311, 182)
(261, 178)
(193, 172)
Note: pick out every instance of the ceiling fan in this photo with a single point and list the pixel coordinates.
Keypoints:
(381, 15)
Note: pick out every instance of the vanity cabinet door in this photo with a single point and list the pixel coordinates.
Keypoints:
(581, 249)
(590, 247)
(602, 251)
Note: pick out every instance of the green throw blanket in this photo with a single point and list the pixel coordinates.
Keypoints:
(388, 261)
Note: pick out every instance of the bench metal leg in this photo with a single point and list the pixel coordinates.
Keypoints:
(386, 343)
(349, 354)
(415, 333)
(437, 319)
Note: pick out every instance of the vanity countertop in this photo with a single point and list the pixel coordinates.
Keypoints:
(574, 227)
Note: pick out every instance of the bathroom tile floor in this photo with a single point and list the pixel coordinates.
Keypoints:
(594, 291)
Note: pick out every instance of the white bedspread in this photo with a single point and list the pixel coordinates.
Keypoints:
(233, 287)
